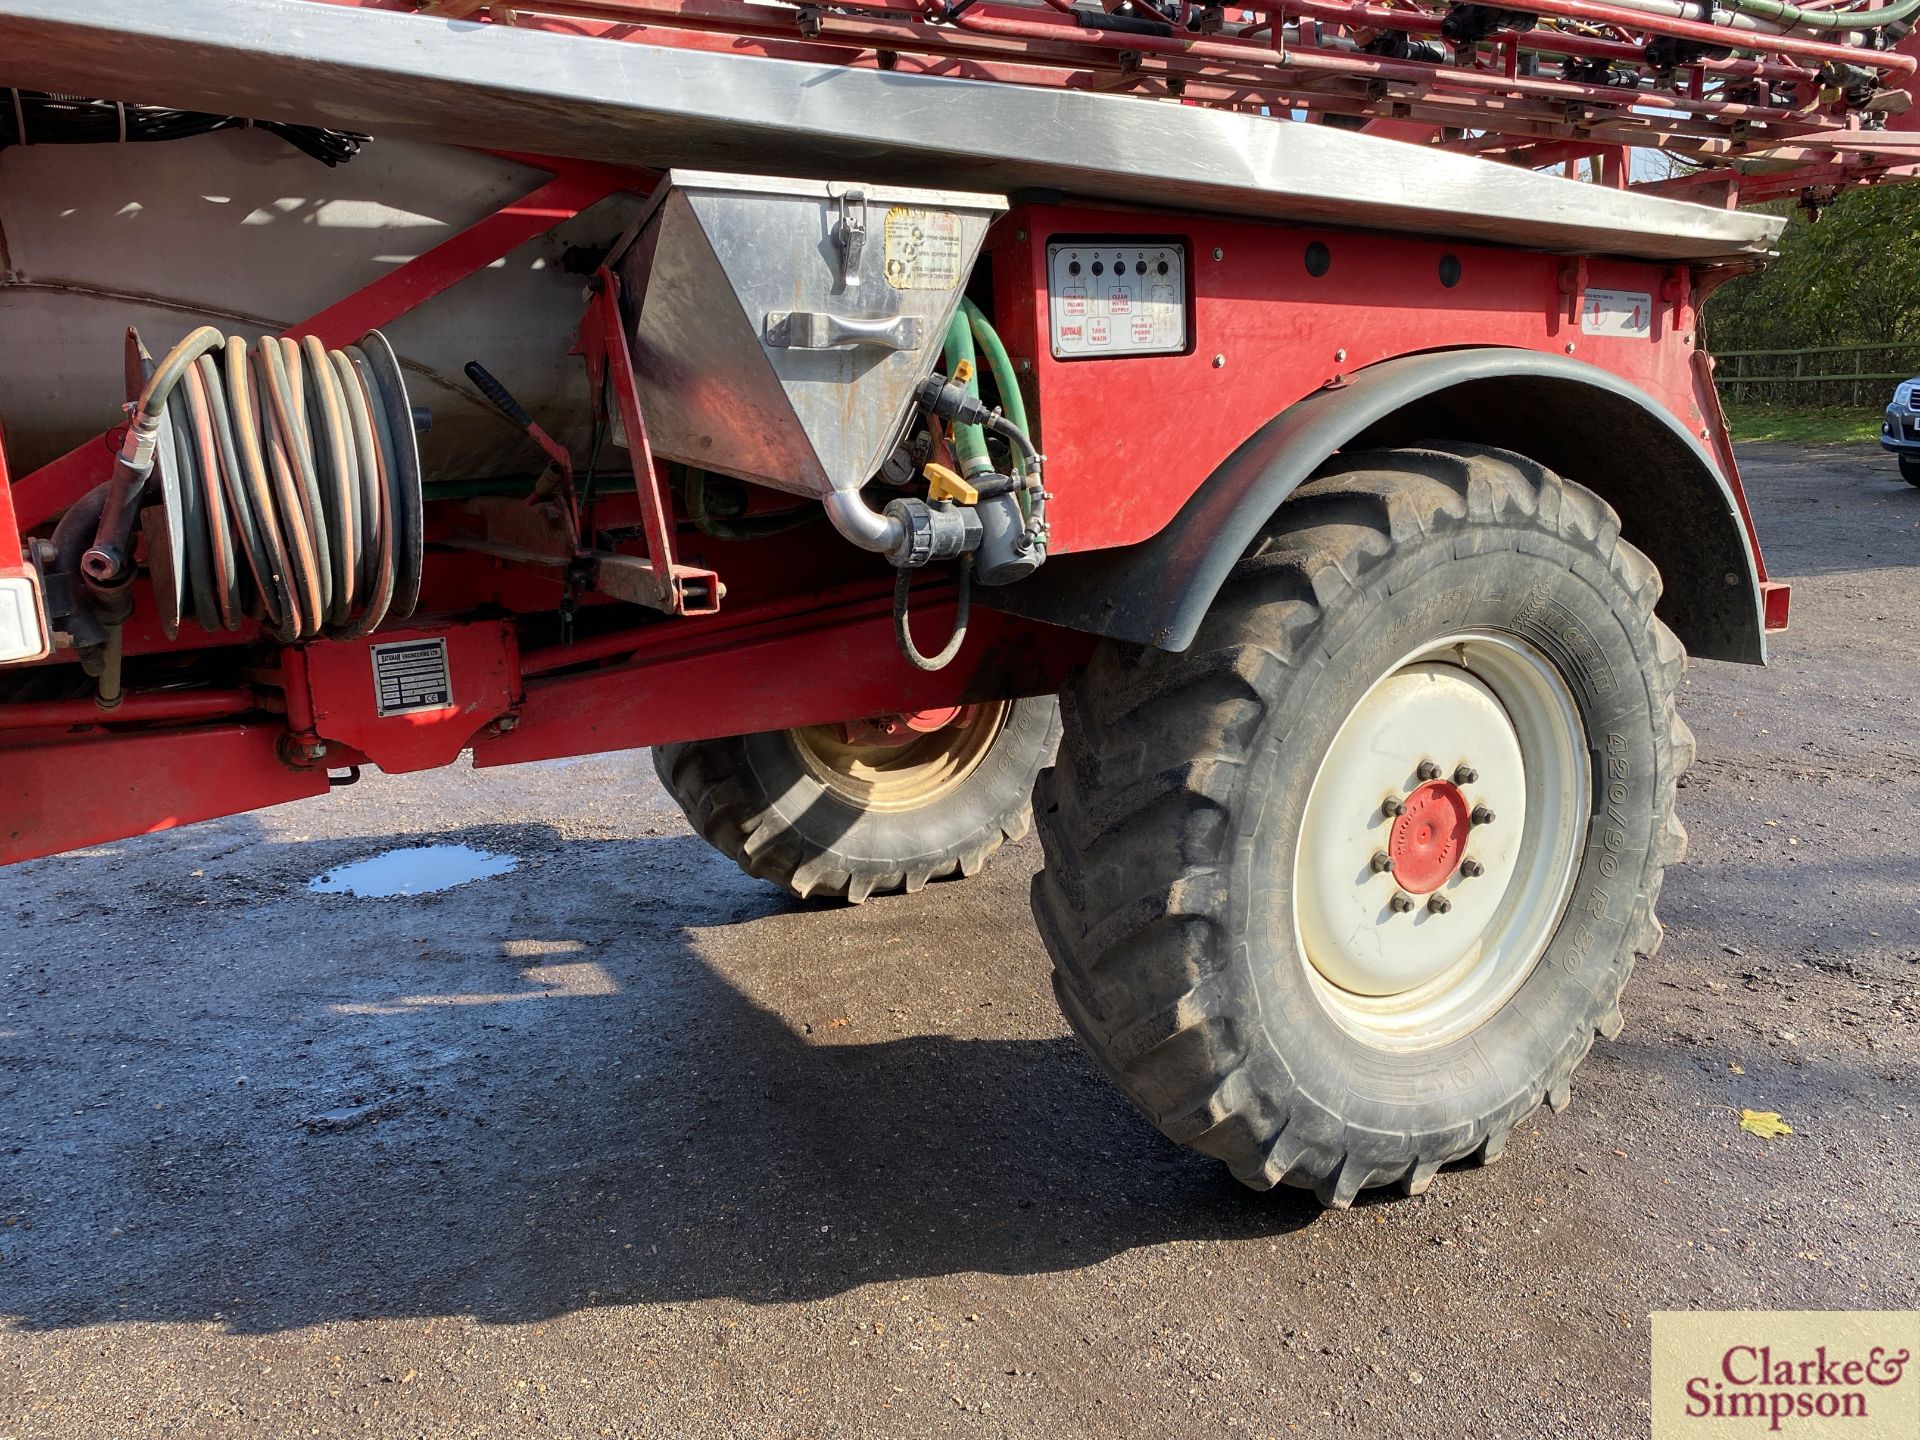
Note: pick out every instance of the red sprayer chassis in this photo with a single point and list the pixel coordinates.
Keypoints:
(1179, 406)
(1145, 438)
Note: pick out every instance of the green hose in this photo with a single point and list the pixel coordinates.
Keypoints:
(1006, 382)
(1001, 364)
(1783, 13)
(969, 441)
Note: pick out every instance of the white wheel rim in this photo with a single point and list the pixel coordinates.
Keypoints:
(1413, 978)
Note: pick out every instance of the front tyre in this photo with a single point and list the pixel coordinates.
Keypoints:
(1344, 891)
(1910, 469)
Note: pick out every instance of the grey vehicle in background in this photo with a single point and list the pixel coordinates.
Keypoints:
(1900, 429)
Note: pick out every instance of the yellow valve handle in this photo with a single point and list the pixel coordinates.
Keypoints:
(944, 484)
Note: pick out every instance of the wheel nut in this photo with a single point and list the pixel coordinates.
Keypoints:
(1465, 775)
(1391, 806)
(1481, 815)
(1401, 902)
(1472, 869)
(1382, 863)
(1428, 770)
(1439, 904)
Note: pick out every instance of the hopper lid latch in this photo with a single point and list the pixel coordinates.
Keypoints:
(851, 232)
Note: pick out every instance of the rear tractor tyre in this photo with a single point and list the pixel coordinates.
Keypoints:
(1345, 891)
(842, 812)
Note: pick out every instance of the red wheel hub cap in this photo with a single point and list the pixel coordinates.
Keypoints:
(1429, 836)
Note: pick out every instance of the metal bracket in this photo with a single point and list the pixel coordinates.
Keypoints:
(1570, 285)
(814, 330)
(656, 581)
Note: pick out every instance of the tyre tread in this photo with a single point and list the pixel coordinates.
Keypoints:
(713, 783)
(1135, 816)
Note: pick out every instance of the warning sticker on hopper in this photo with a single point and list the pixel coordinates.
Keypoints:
(1616, 312)
(411, 675)
(923, 249)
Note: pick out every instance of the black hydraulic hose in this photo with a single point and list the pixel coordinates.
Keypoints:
(1036, 490)
(109, 559)
(1125, 24)
(75, 531)
(93, 622)
(33, 117)
(71, 537)
(1015, 436)
(903, 631)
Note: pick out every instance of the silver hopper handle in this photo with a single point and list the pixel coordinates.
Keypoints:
(814, 330)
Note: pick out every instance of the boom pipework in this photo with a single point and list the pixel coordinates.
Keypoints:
(1750, 98)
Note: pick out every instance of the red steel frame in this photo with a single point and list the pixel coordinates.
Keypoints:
(71, 776)
(807, 636)
(603, 343)
(576, 185)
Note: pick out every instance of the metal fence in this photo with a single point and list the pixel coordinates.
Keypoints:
(1862, 375)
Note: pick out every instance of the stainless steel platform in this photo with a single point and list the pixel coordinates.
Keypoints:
(492, 85)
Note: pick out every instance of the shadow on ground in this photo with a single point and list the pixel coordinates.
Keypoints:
(526, 1096)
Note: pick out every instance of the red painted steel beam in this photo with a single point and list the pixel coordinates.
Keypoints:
(784, 666)
(603, 338)
(1910, 118)
(1007, 21)
(68, 794)
(132, 709)
(575, 186)
(707, 678)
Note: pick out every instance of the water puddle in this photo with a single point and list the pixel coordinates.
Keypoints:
(416, 870)
(351, 1117)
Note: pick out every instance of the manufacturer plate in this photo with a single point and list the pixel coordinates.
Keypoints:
(411, 675)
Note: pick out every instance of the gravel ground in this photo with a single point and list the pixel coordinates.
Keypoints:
(622, 1143)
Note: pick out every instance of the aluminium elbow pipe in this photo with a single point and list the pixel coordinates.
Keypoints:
(862, 524)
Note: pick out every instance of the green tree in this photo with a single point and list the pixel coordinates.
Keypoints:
(1850, 278)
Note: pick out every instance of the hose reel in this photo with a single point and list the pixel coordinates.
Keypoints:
(289, 486)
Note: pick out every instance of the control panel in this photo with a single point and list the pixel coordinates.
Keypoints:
(1116, 296)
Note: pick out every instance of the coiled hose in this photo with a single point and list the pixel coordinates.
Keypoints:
(289, 486)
